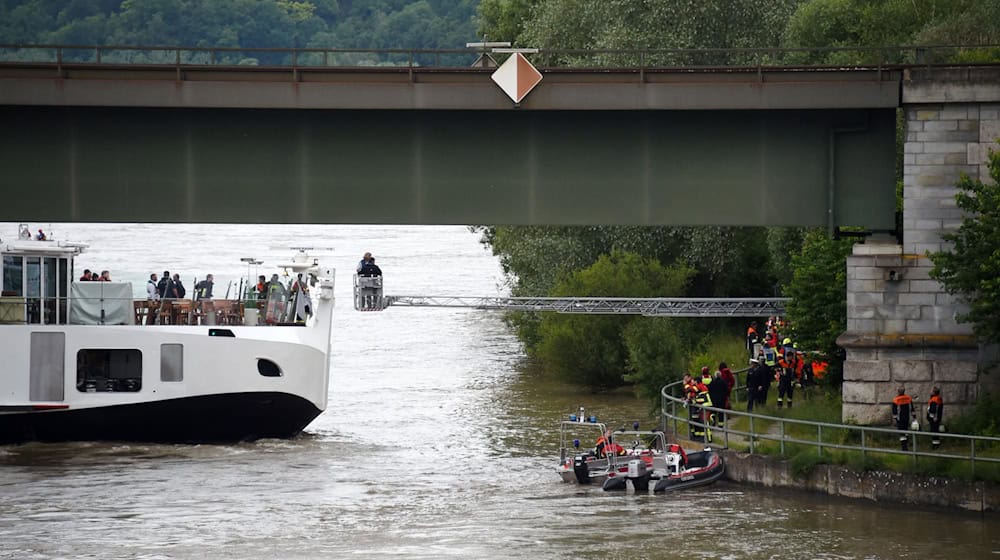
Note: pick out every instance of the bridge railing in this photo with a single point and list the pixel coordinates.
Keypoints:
(824, 436)
(632, 59)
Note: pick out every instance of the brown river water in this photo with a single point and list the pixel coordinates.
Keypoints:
(439, 441)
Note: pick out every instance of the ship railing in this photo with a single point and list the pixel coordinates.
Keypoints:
(858, 444)
(19, 310)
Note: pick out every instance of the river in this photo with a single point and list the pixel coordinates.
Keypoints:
(439, 441)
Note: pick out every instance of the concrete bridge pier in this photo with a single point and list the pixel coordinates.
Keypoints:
(901, 325)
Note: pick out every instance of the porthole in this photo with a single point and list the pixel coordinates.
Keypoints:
(267, 368)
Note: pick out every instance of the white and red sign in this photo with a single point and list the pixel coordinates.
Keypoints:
(516, 77)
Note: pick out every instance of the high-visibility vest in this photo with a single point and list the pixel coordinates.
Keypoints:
(770, 356)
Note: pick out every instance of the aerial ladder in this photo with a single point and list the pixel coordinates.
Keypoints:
(368, 296)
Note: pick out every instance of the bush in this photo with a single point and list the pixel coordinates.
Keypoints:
(591, 349)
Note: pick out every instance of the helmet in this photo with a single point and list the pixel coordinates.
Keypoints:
(786, 341)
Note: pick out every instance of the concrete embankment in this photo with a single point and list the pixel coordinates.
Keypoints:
(877, 486)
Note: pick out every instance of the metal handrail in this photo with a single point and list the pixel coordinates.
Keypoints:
(764, 57)
(669, 403)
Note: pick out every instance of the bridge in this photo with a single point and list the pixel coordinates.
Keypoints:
(667, 137)
(102, 133)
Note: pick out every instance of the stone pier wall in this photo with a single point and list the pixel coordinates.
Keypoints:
(902, 328)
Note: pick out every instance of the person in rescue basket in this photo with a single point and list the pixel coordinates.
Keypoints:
(903, 414)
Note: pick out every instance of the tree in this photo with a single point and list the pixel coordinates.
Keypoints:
(818, 308)
(656, 355)
(590, 350)
(863, 23)
(971, 268)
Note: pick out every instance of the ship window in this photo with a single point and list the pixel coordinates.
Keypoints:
(171, 362)
(108, 370)
(267, 368)
(13, 276)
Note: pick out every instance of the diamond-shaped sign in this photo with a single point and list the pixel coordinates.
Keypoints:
(516, 77)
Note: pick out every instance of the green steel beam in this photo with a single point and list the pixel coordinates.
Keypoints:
(737, 167)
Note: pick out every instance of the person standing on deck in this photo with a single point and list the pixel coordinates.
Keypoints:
(151, 291)
(203, 289)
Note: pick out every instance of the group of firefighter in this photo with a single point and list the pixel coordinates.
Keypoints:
(791, 368)
(770, 360)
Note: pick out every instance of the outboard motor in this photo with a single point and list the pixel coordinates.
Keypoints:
(638, 473)
(581, 469)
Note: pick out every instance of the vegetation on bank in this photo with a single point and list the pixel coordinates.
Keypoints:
(971, 268)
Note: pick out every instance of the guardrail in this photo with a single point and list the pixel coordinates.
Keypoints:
(633, 59)
(867, 435)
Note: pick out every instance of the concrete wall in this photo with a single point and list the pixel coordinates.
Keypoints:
(902, 328)
(877, 486)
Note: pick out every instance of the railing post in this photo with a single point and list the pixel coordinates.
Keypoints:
(59, 57)
(782, 424)
(642, 67)
(410, 64)
(972, 458)
(864, 454)
(177, 63)
(98, 55)
(295, 65)
(725, 429)
(753, 435)
(819, 439)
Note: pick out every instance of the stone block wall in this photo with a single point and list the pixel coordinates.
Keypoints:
(902, 327)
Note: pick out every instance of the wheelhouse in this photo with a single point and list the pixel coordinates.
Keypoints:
(36, 276)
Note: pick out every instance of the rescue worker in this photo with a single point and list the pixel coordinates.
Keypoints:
(753, 383)
(702, 399)
(717, 390)
(730, 379)
(768, 363)
(753, 339)
(606, 446)
(806, 379)
(935, 412)
(696, 396)
(787, 377)
(902, 414)
(690, 389)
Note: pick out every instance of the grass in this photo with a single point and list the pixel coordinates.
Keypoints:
(823, 404)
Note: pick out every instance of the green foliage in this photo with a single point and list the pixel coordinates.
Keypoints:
(503, 20)
(782, 243)
(971, 268)
(863, 23)
(818, 309)
(591, 349)
(715, 347)
(804, 461)
(241, 23)
(655, 355)
(984, 420)
(654, 24)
